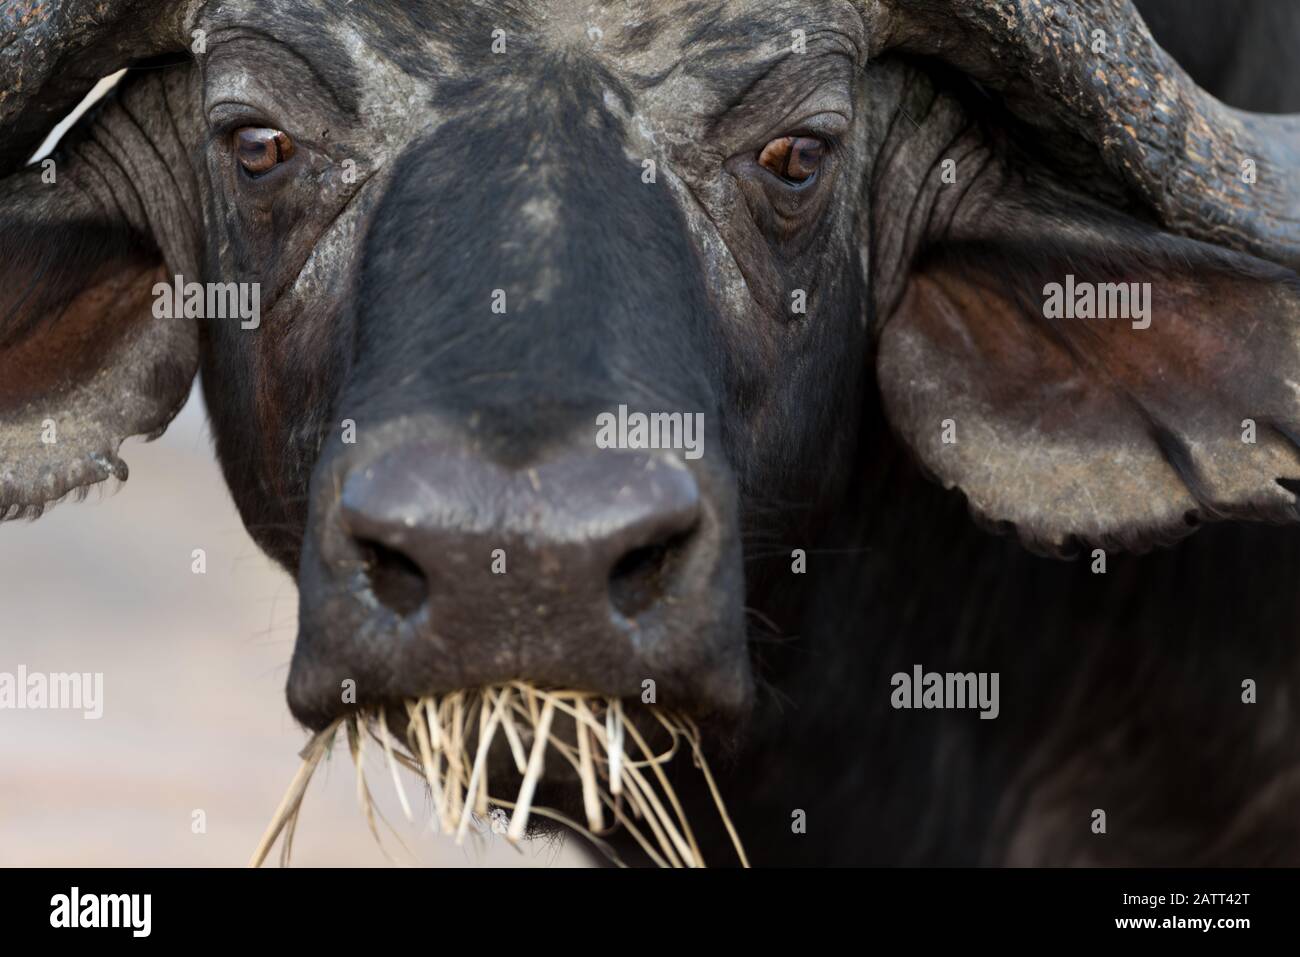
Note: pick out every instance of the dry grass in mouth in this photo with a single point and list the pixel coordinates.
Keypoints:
(619, 788)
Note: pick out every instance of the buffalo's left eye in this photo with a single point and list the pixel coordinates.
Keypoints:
(260, 149)
(793, 158)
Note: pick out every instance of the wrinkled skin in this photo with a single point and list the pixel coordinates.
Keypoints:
(476, 171)
(429, 183)
(774, 402)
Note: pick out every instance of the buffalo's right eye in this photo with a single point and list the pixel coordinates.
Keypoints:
(260, 149)
(793, 158)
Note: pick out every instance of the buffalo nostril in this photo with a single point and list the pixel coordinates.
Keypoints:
(642, 577)
(398, 583)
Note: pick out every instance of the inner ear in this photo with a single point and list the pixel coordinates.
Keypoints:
(1119, 431)
(83, 272)
(83, 361)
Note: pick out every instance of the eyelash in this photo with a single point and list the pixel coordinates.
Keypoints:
(831, 140)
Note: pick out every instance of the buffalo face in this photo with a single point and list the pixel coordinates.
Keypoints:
(475, 260)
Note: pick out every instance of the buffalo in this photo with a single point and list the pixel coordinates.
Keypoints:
(723, 328)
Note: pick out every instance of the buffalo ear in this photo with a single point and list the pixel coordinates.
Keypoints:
(83, 361)
(1099, 430)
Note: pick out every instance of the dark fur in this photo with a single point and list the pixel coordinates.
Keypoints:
(1119, 691)
(1243, 52)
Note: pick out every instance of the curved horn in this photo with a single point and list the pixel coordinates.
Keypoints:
(1179, 148)
(52, 53)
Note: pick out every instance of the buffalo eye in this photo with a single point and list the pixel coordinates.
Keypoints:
(260, 149)
(793, 158)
